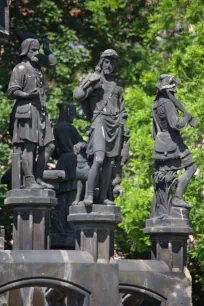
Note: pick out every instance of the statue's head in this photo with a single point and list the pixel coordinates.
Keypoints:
(167, 82)
(67, 111)
(30, 48)
(108, 61)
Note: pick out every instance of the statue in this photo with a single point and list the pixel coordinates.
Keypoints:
(170, 152)
(82, 172)
(66, 137)
(102, 102)
(29, 123)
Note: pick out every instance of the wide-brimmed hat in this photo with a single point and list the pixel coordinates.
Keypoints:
(167, 81)
(109, 53)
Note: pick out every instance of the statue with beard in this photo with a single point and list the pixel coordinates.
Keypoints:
(102, 102)
(29, 123)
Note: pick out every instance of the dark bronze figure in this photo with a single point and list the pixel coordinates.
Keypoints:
(30, 126)
(102, 102)
(170, 152)
(66, 137)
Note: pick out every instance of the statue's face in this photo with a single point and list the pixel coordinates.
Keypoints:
(34, 51)
(108, 65)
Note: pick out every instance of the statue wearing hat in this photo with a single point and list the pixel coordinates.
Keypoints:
(102, 102)
(29, 123)
(170, 152)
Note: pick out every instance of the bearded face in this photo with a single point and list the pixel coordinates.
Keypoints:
(33, 52)
(108, 65)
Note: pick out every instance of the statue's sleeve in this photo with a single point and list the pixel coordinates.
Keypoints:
(17, 80)
(172, 117)
(47, 60)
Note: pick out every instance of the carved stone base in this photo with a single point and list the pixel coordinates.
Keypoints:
(31, 212)
(95, 229)
(169, 237)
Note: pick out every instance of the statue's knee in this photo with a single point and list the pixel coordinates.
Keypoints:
(51, 147)
(99, 160)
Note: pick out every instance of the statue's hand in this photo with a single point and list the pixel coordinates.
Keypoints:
(188, 116)
(46, 45)
(33, 93)
(90, 79)
(94, 77)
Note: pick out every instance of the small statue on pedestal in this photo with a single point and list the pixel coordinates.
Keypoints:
(170, 152)
(102, 102)
(30, 126)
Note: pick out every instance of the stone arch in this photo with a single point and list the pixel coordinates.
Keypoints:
(136, 296)
(58, 284)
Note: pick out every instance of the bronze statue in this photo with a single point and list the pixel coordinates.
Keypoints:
(102, 102)
(29, 124)
(66, 137)
(170, 152)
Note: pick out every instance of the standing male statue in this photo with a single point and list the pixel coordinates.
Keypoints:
(30, 126)
(170, 152)
(102, 102)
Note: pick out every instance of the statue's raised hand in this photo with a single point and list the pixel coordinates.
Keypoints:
(90, 79)
(46, 45)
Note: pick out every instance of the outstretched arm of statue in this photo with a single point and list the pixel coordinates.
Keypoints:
(173, 119)
(86, 87)
(47, 59)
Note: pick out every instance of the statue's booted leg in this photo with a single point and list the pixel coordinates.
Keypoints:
(183, 182)
(105, 181)
(27, 151)
(95, 168)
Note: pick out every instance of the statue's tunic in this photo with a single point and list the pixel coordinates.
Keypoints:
(107, 122)
(30, 118)
(169, 148)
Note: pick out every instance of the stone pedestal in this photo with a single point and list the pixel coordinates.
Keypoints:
(169, 238)
(95, 229)
(31, 212)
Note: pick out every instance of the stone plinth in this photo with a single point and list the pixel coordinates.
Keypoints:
(31, 212)
(95, 229)
(169, 237)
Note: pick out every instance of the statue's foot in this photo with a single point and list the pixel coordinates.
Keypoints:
(178, 202)
(30, 183)
(75, 203)
(44, 184)
(108, 202)
(88, 201)
(116, 181)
